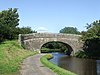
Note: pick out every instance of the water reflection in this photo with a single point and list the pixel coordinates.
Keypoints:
(77, 65)
(98, 67)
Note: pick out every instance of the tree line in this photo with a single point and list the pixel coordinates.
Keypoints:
(9, 21)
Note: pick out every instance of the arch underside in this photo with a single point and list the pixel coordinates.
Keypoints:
(67, 46)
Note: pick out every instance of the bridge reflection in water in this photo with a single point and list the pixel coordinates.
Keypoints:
(77, 65)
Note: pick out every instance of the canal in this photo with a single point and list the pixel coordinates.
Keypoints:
(77, 65)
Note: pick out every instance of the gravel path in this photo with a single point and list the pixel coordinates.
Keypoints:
(33, 66)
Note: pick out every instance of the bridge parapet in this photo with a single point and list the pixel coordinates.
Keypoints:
(49, 35)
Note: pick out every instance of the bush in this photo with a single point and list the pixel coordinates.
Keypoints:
(81, 54)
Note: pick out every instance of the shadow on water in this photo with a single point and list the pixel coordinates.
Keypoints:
(77, 65)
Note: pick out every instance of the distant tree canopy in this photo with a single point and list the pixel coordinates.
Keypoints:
(25, 30)
(9, 21)
(69, 30)
(58, 46)
(55, 45)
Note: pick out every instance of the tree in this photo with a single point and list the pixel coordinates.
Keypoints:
(26, 30)
(9, 20)
(91, 40)
(93, 31)
(69, 30)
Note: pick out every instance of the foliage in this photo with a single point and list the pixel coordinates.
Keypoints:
(69, 30)
(91, 40)
(25, 30)
(11, 56)
(92, 48)
(54, 47)
(9, 21)
(81, 54)
(55, 68)
(93, 31)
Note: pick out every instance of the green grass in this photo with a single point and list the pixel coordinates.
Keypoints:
(55, 68)
(47, 50)
(11, 56)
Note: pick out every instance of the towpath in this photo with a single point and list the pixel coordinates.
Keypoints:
(33, 66)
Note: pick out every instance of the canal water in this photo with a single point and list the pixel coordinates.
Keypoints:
(77, 65)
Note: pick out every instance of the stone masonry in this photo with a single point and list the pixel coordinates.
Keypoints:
(35, 41)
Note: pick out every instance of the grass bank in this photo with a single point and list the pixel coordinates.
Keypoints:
(55, 68)
(11, 56)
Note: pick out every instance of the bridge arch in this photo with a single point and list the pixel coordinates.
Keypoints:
(69, 48)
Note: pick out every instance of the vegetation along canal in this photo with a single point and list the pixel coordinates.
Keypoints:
(77, 65)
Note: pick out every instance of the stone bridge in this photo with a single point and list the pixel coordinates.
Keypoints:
(35, 41)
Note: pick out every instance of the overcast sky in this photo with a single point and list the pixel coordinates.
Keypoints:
(53, 15)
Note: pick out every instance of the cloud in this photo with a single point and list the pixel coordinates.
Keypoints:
(42, 29)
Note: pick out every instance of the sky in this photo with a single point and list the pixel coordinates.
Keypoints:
(53, 15)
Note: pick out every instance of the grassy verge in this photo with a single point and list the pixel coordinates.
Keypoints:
(11, 56)
(46, 50)
(55, 68)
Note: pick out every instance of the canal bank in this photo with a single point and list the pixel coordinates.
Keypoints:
(60, 71)
(77, 65)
